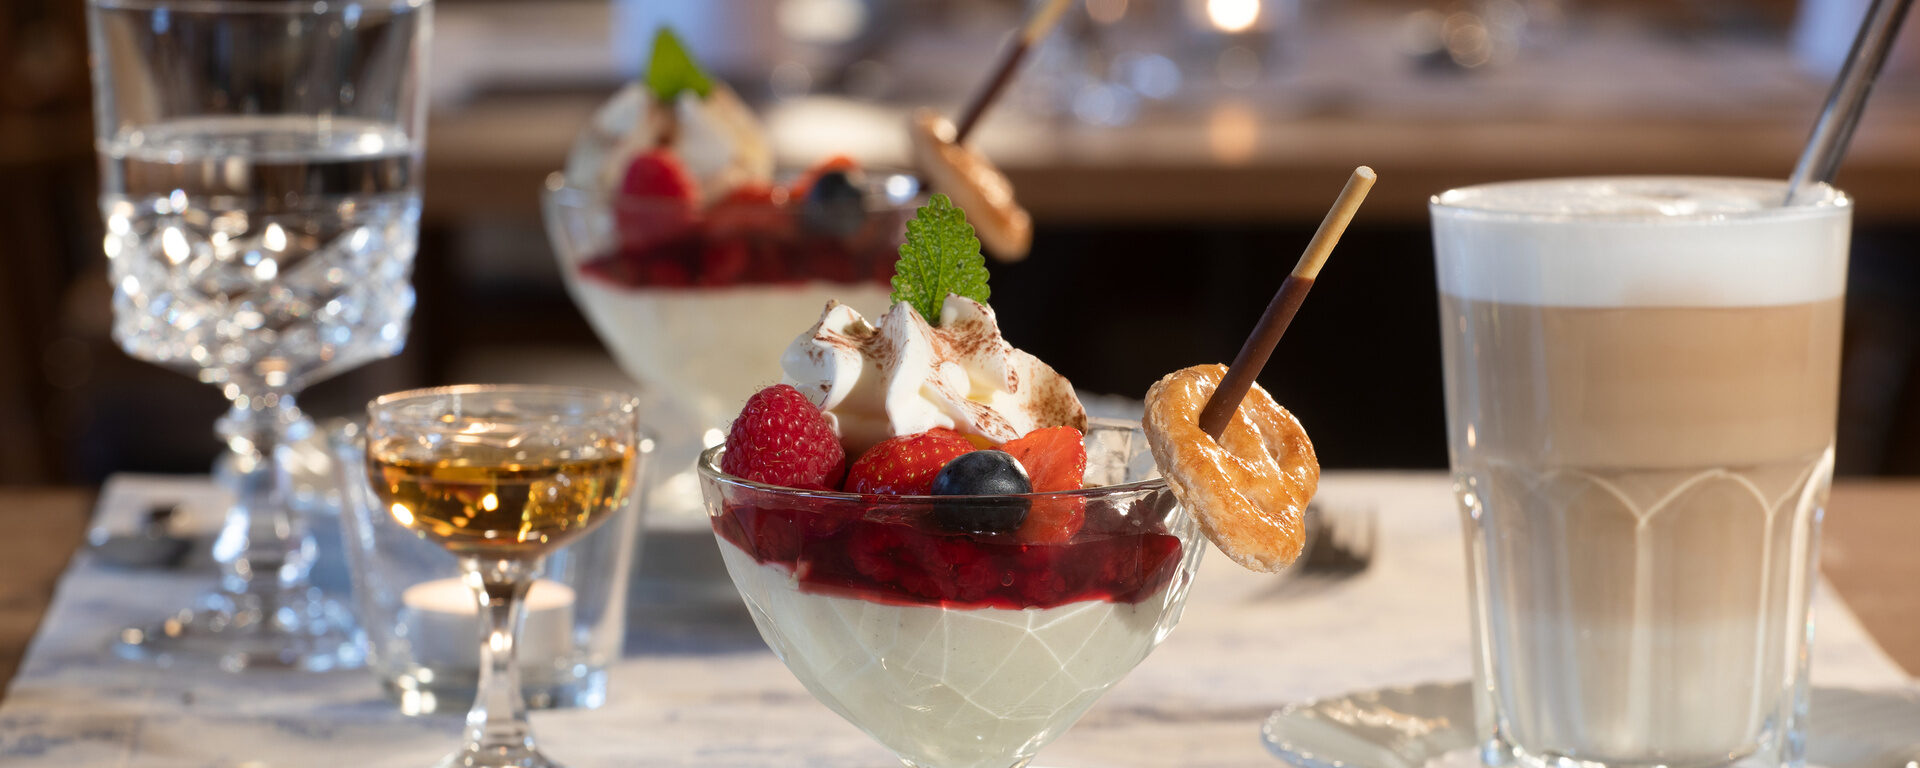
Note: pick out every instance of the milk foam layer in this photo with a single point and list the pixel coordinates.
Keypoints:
(1640, 241)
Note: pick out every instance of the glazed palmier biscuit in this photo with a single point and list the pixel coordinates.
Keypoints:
(1250, 488)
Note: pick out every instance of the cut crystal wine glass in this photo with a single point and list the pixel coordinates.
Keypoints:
(260, 184)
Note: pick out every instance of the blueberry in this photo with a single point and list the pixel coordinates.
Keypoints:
(982, 473)
(835, 205)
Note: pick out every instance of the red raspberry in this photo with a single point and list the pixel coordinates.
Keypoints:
(658, 173)
(780, 438)
(906, 465)
(766, 262)
(723, 262)
(824, 258)
(880, 264)
(777, 536)
(614, 269)
(877, 552)
(657, 200)
(665, 274)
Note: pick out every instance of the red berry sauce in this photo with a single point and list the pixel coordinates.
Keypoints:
(909, 562)
(668, 244)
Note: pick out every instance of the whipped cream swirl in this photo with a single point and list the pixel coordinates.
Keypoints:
(904, 376)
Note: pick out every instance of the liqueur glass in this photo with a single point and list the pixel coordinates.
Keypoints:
(501, 476)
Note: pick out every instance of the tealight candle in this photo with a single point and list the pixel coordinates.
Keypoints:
(442, 622)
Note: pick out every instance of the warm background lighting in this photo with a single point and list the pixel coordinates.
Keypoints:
(1233, 15)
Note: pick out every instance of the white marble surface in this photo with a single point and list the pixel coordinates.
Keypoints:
(698, 689)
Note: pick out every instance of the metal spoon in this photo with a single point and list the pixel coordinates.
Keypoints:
(152, 545)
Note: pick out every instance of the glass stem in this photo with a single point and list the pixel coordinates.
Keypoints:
(497, 724)
(265, 550)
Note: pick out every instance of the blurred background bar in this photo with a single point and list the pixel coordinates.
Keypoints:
(1175, 154)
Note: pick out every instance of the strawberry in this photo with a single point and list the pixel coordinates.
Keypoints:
(780, 438)
(753, 193)
(1053, 520)
(798, 190)
(907, 464)
(751, 209)
(1055, 460)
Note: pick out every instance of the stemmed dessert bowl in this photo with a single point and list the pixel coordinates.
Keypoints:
(954, 649)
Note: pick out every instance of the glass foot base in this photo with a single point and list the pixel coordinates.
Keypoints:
(498, 757)
(234, 632)
(1499, 754)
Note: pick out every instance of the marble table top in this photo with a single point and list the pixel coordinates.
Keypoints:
(697, 687)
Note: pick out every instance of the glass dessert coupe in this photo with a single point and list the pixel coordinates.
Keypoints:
(683, 294)
(960, 650)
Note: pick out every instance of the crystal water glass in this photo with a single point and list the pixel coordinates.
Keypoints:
(259, 170)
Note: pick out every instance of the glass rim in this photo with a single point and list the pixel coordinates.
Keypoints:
(709, 467)
(1833, 201)
(556, 192)
(625, 403)
(317, 8)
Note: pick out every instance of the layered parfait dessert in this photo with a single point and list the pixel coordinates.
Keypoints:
(908, 518)
(929, 532)
(679, 243)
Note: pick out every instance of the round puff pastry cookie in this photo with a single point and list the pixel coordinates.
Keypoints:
(974, 184)
(1249, 489)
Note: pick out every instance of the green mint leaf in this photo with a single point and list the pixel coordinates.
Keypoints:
(941, 256)
(673, 70)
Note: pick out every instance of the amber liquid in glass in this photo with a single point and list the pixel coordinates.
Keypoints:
(496, 503)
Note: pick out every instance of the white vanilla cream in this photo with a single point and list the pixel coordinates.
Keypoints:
(905, 376)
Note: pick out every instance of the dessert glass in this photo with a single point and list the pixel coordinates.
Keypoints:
(684, 297)
(960, 650)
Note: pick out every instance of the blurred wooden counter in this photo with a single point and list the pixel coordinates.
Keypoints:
(1867, 553)
(44, 528)
(1229, 163)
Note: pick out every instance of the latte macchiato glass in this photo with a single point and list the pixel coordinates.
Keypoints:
(1641, 383)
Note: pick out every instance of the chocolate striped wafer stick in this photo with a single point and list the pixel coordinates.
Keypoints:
(1259, 345)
